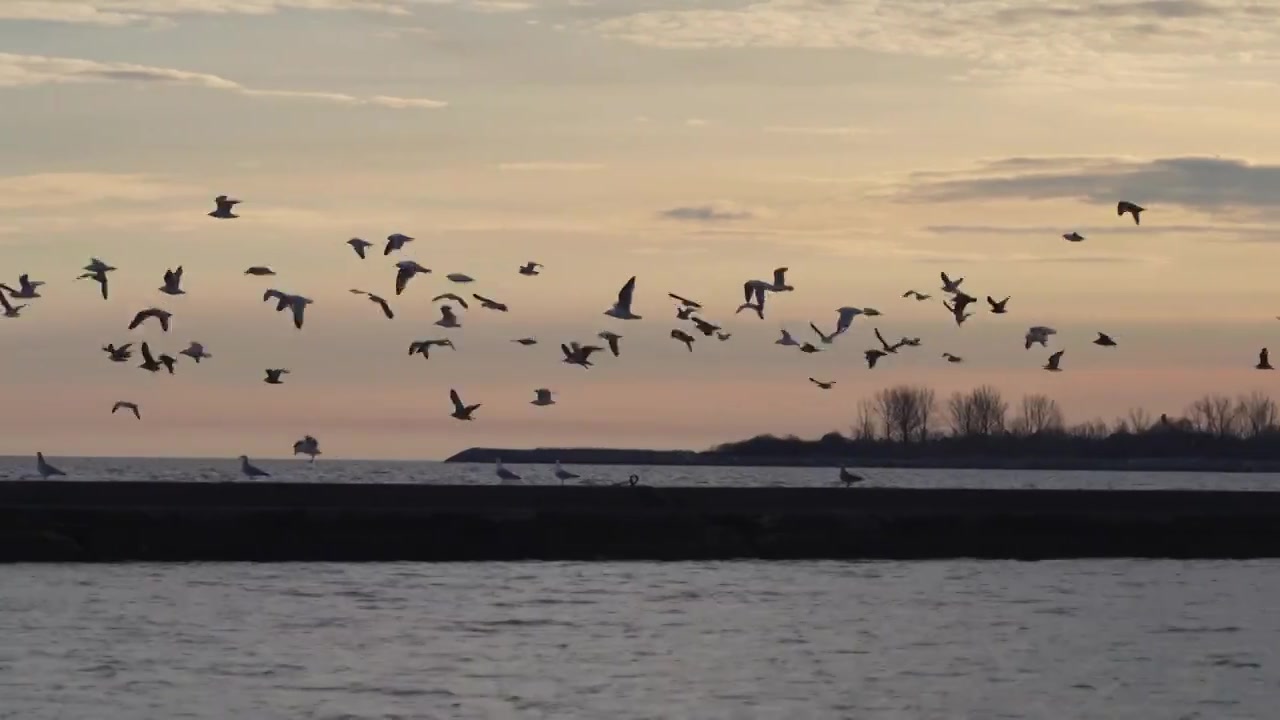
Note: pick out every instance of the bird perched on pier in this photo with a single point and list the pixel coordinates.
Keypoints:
(45, 469)
(562, 475)
(505, 475)
(847, 478)
(308, 445)
(250, 470)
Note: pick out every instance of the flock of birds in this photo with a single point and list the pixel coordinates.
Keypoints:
(755, 294)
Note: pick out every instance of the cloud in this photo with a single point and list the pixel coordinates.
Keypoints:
(1242, 233)
(1142, 41)
(815, 130)
(1082, 259)
(133, 12)
(47, 190)
(28, 70)
(696, 122)
(715, 212)
(1207, 184)
(550, 166)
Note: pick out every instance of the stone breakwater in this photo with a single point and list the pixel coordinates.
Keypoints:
(69, 521)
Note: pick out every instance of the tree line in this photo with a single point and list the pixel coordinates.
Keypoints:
(910, 419)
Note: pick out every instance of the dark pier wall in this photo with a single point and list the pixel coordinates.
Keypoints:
(63, 521)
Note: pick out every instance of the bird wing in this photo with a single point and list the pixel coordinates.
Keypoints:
(5, 302)
(146, 354)
(881, 339)
(273, 293)
(780, 276)
(457, 401)
(386, 309)
(624, 295)
(298, 310)
(613, 345)
(138, 318)
(484, 299)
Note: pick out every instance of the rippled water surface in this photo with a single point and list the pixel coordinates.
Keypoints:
(954, 639)
(370, 471)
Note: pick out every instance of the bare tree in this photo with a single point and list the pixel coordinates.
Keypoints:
(1096, 429)
(864, 427)
(1139, 420)
(1256, 414)
(905, 412)
(1040, 414)
(1215, 415)
(981, 412)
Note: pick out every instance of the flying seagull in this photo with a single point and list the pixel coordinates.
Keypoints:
(703, 326)
(885, 345)
(957, 311)
(161, 315)
(26, 288)
(451, 296)
(826, 339)
(949, 285)
(722, 336)
(530, 268)
(447, 318)
(224, 204)
(997, 308)
(460, 411)
(1054, 360)
(622, 308)
(952, 358)
(489, 304)
(459, 278)
(98, 276)
(96, 265)
(386, 309)
(845, 319)
(786, 339)
(195, 351)
(45, 469)
(917, 295)
(1104, 340)
(809, 348)
(683, 337)
(395, 241)
(684, 313)
(1264, 360)
(872, 356)
(423, 347)
(526, 341)
(406, 270)
(259, 270)
(576, 354)
(153, 364)
(1073, 236)
(308, 445)
(1038, 334)
(780, 280)
(118, 354)
(542, 398)
(1124, 206)
(273, 376)
(685, 301)
(359, 245)
(173, 282)
(250, 470)
(10, 310)
(612, 338)
(126, 406)
(296, 303)
(824, 385)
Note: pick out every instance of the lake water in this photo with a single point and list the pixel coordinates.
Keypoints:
(706, 641)
(372, 471)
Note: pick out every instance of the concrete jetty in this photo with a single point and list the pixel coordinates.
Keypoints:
(70, 521)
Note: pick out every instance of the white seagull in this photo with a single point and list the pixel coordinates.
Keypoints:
(847, 314)
(1038, 334)
(45, 469)
(543, 398)
(622, 309)
(308, 445)
(250, 470)
(395, 241)
(195, 351)
(223, 210)
(127, 406)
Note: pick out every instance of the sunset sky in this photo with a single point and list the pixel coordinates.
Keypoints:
(865, 145)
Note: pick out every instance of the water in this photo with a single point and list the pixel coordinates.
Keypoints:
(371, 471)
(955, 639)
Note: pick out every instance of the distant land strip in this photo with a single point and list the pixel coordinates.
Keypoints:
(626, 456)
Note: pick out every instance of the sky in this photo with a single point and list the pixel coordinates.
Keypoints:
(867, 146)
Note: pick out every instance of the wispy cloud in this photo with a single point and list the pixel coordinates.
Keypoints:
(27, 70)
(550, 166)
(714, 212)
(1243, 233)
(1129, 40)
(815, 130)
(47, 190)
(117, 13)
(1198, 183)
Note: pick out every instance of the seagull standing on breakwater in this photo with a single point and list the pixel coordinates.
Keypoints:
(504, 474)
(848, 479)
(250, 470)
(45, 469)
(562, 474)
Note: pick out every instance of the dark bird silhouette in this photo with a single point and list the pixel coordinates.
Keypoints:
(1073, 237)
(1264, 360)
(98, 276)
(952, 358)
(612, 338)
(222, 208)
(386, 309)
(118, 354)
(460, 411)
(359, 245)
(423, 347)
(26, 288)
(824, 385)
(1104, 340)
(849, 479)
(489, 304)
(450, 296)
(576, 354)
(395, 241)
(887, 347)
(273, 376)
(703, 326)
(809, 348)
(173, 282)
(917, 295)
(161, 315)
(1054, 360)
(997, 307)
(874, 355)
(685, 301)
(153, 364)
(530, 268)
(683, 337)
(1124, 206)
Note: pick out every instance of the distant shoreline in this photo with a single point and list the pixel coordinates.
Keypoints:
(622, 456)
